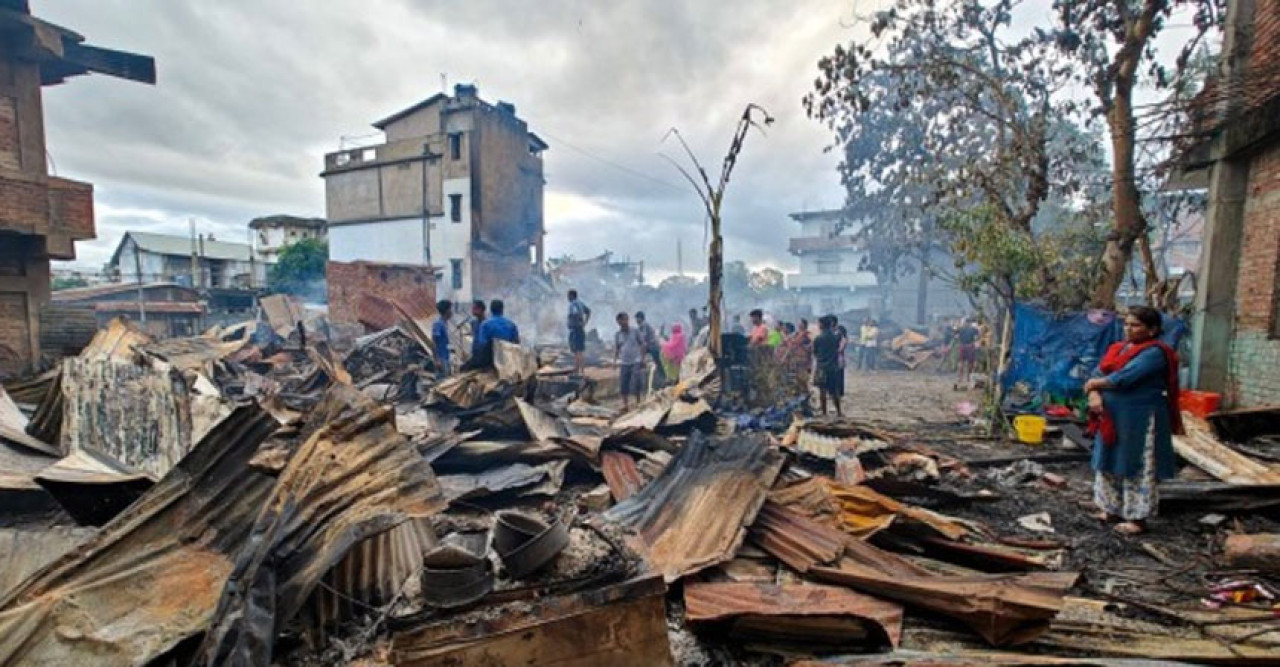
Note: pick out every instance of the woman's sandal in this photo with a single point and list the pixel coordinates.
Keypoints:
(1130, 528)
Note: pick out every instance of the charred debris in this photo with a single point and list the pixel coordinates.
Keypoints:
(265, 494)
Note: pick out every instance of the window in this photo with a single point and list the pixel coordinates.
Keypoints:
(828, 266)
(456, 267)
(368, 155)
(455, 146)
(455, 208)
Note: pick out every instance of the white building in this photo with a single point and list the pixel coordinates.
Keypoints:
(272, 233)
(457, 186)
(830, 280)
(202, 262)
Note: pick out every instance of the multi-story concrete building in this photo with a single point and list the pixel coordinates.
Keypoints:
(830, 278)
(144, 257)
(457, 185)
(272, 233)
(41, 216)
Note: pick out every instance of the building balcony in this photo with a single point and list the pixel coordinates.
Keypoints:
(822, 244)
(849, 280)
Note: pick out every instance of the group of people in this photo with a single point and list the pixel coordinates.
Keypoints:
(802, 357)
(485, 328)
(634, 344)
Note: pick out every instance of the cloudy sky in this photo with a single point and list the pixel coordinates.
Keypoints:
(251, 94)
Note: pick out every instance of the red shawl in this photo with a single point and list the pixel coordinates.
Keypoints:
(1118, 356)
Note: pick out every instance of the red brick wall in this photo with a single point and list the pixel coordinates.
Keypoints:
(71, 207)
(413, 287)
(24, 205)
(1260, 247)
(1255, 348)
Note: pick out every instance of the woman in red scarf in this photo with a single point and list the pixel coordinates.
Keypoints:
(1133, 414)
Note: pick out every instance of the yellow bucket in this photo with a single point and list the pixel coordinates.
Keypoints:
(1030, 428)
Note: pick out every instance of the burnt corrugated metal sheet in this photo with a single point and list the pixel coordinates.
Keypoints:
(694, 515)
(621, 474)
(220, 548)
(153, 575)
(23, 552)
(1003, 609)
(138, 413)
(623, 625)
(798, 541)
(723, 601)
(352, 479)
(371, 574)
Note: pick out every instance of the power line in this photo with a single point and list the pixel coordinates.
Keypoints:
(620, 167)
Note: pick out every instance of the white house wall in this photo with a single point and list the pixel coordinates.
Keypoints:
(452, 240)
(391, 241)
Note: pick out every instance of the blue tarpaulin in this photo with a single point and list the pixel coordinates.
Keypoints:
(1055, 354)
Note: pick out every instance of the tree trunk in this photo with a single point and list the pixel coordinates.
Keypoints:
(715, 276)
(1126, 202)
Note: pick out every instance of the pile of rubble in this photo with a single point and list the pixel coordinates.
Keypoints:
(263, 494)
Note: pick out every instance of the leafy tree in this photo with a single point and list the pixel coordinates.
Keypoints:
(1113, 44)
(955, 119)
(300, 269)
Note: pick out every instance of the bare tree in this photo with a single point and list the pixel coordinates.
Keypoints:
(712, 197)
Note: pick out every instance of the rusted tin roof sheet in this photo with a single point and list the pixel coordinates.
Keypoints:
(153, 575)
(722, 601)
(24, 551)
(1003, 609)
(371, 574)
(353, 478)
(623, 625)
(621, 474)
(694, 515)
(800, 542)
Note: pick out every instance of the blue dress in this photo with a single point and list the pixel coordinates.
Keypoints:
(1137, 399)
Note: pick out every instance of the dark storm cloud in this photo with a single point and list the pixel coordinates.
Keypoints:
(252, 94)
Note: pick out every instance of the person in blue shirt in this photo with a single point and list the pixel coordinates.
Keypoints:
(1133, 406)
(497, 327)
(440, 338)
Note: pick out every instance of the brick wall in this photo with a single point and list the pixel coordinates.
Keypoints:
(15, 348)
(348, 282)
(1255, 350)
(24, 204)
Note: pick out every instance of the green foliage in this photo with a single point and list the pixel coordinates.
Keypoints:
(60, 283)
(300, 269)
(1057, 267)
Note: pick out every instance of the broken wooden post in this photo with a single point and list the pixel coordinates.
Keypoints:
(1260, 551)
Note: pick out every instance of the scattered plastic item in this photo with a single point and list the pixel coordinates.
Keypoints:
(849, 469)
(966, 409)
(1199, 403)
(1059, 411)
(1239, 591)
(1017, 474)
(1039, 522)
(1030, 428)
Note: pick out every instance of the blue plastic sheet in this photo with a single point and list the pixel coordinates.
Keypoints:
(1055, 354)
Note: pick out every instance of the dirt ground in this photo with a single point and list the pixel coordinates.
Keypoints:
(904, 398)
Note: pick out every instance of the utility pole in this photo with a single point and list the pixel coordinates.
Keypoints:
(137, 267)
(195, 263)
(712, 198)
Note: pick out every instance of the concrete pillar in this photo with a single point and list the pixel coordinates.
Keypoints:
(1215, 304)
